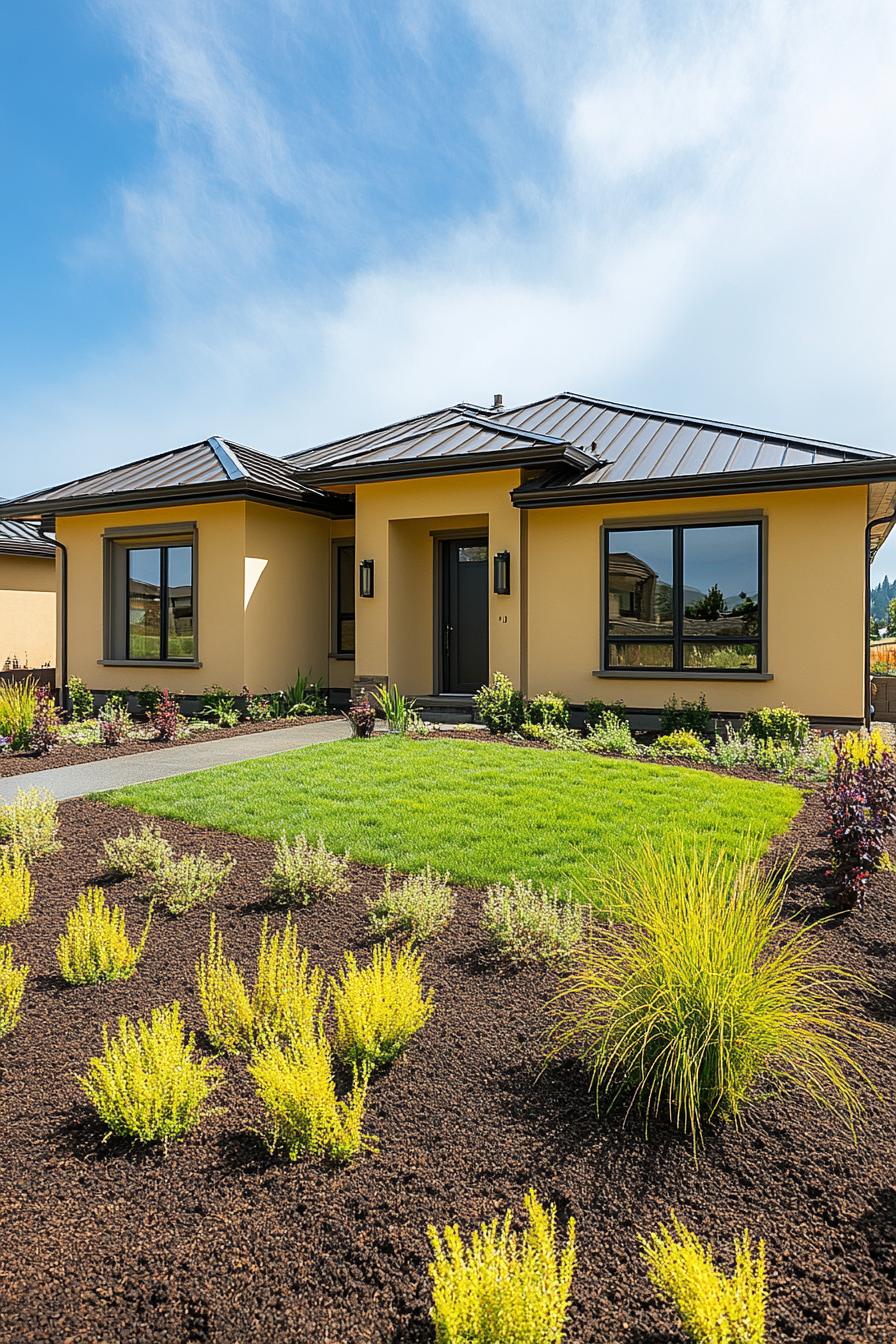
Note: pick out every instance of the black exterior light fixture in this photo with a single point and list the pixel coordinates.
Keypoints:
(365, 578)
(502, 572)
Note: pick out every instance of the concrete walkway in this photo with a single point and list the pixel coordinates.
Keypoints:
(72, 781)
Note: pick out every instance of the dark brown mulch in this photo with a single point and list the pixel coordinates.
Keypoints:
(213, 1241)
(66, 753)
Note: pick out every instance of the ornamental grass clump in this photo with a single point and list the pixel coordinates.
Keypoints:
(194, 879)
(417, 907)
(712, 1307)
(138, 854)
(12, 987)
(149, 1084)
(95, 945)
(378, 1008)
(526, 923)
(296, 1086)
(18, 701)
(29, 824)
(303, 872)
(16, 889)
(702, 990)
(503, 1287)
(861, 803)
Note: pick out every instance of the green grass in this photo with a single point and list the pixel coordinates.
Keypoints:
(480, 811)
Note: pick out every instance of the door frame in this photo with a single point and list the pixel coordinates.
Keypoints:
(473, 534)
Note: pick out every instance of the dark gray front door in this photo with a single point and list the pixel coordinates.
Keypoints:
(464, 614)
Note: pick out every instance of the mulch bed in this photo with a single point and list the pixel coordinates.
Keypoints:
(214, 1241)
(66, 753)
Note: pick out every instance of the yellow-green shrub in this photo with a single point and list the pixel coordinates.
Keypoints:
(138, 854)
(95, 945)
(285, 1001)
(295, 1083)
(29, 824)
(713, 1307)
(149, 1084)
(419, 906)
(503, 1287)
(16, 889)
(224, 998)
(12, 987)
(379, 1007)
(702, 989)
(193, 879)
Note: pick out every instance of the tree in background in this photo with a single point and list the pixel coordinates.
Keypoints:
(891, 616)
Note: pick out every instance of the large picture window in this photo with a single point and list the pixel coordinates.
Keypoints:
(344, 599)
(160, 624)
(685, 598)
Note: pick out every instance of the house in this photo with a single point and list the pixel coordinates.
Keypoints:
(580, 546)
(27, 597)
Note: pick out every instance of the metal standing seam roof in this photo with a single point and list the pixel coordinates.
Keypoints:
(24, 539)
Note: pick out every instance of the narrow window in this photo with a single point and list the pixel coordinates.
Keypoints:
(160, 624)
(344, 612)
(683, 598)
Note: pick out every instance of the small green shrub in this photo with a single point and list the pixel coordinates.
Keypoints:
(303, 872)
(219, 707)
(12, 988)
(681, 743)
(194, 879)
(80, 699)
(503, 1287)
(612, 735)
(712, 1307)
(378, 1008)
(16, 889)
(140, 853)
(118, 701)
(114, 724)
(499, 706)
(149, 700)
(149, 1084)
(95, 945)
(690, 716)
(597, 710)
(548, 709)
(701, 989)
(260, 708)
(30, 824)
(295, 1084)
(526, 923)
(564, 739)
(418, 907)
(777, 725)
(18, 702)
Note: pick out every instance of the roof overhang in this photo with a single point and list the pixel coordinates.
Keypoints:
(157, 497)
(503, 459)
(533, 495)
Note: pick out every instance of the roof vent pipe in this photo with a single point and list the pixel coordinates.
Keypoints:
(498, 404)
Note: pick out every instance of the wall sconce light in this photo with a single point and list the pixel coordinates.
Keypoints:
(502, 572)
(365, 578)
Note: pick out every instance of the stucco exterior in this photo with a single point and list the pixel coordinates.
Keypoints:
(28, 609)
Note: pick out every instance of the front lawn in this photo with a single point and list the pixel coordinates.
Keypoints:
(480, 811)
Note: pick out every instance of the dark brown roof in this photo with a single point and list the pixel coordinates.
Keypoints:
(24, 539)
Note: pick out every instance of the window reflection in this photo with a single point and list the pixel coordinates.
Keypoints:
(639, 582)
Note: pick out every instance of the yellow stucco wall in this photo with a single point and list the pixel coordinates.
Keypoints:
(815, 603)
(28, 609)
(394, 524)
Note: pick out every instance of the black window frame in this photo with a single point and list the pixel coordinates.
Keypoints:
(343, 544)
(677, 639)
(163, 547)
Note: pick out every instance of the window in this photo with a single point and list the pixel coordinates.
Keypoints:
(683, 598)
(344, 599)
(160, 626)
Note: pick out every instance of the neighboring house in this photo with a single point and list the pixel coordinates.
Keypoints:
(579, 546)
(27, 596)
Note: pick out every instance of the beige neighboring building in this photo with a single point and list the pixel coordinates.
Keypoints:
(27, 597)
(596, 550)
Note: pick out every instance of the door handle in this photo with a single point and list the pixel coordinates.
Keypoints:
(446, 637)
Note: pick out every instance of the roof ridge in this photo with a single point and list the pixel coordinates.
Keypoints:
(378, 429)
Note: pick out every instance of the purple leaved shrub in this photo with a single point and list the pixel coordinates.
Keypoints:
(861, 803)
(45, 727)
(362, 717)
(165, 718)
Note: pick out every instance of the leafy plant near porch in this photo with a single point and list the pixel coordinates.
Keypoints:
(80, 699)
(861, 804)
(526, 923)
(303, 872)
(95, 945)
(417, 907)
(611, 734)
(16, 889)
(361, 716)
(777, 725)
(503, 1286)
(379, 1007)
(114, 724)
(219, 706)
(12, 989)
(149, 1084)
(45, 727)
(29, 824)
(548, 710)
(500, 707)
(690, 716)
(700, 989)
(165, 717)
(398, 711)
(682, 743)
(304, 697)
(713, 1307)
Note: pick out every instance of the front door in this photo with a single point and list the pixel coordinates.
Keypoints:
(464, 614)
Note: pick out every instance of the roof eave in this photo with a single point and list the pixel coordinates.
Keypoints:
(538, 455)
(315, 501)
(760, 479)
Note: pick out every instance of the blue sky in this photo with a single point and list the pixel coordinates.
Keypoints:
(284, 220)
